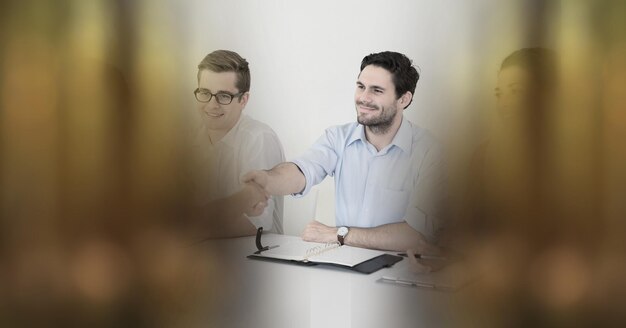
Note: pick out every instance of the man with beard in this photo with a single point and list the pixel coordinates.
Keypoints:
(388, 172)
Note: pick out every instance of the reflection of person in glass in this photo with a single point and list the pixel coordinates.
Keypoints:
(232, 143)
(508, 171)
(524, 79)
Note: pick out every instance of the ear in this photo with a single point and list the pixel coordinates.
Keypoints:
(244, 99)
(405, 99)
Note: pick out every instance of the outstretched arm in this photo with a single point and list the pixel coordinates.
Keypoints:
(225, 217)
(283, 179)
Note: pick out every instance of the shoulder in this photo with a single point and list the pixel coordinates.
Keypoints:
(257, 137)
(423, 141)
(251, 129)
(342, 131)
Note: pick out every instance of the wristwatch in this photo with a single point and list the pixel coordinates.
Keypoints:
(342, 232)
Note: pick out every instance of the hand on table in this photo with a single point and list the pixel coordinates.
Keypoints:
(319, 232)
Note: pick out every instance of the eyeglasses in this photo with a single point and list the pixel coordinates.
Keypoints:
(204, 95)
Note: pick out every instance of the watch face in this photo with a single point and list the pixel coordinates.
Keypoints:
(343, 231)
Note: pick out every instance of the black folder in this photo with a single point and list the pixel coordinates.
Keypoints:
(311, 254)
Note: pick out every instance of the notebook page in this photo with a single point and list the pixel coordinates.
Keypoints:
(335, 254)
(293, 250)
(346, 255)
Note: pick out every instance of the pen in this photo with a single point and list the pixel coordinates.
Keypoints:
(426, 257)
(415, 283)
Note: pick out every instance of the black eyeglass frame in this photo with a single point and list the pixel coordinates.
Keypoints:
(211, 95)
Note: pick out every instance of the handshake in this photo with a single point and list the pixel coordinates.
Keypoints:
(284, 179)
(255, 196)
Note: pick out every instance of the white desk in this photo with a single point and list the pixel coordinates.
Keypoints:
(268, 294)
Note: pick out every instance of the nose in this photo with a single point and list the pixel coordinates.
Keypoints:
(212, 104)
(364, 97)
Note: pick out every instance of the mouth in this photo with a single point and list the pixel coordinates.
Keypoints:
(214, 115)
(367, 109)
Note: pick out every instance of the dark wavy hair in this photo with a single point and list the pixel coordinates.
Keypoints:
(404, 74)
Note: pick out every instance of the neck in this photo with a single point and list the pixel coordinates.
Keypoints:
(215, 135)
(382, 137)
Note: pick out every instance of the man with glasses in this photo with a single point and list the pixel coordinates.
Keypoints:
(230, 144)
(388, 172)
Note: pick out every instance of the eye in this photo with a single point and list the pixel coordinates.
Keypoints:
(378, 91)
(360, 86)
(224, 96)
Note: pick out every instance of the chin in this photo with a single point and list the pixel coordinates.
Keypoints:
(365, 119)
(363, 122)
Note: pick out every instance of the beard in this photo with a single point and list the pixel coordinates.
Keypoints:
(378, 124)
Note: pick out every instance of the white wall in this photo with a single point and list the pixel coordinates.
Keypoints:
(305, 56)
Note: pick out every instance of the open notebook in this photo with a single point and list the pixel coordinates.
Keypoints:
(308, 253)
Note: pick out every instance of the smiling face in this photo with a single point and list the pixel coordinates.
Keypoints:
(216, 116)
(376, 100)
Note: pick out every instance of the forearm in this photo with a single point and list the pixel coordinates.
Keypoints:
(235, 227)
(285, 179)
(224, 209)
(223, 218)
(392, 237)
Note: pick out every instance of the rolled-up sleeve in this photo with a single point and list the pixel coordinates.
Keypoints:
(425, 212)
(319, 161)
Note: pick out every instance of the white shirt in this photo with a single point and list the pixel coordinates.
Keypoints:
(249, 145)
(402, 182)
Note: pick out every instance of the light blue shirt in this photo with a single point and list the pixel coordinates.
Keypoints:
(402, 182)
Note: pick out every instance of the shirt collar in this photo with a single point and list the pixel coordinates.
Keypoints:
(231, 135)
(357, 134)
(403, 138)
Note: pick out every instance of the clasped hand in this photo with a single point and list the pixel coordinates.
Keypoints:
(255, 199)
